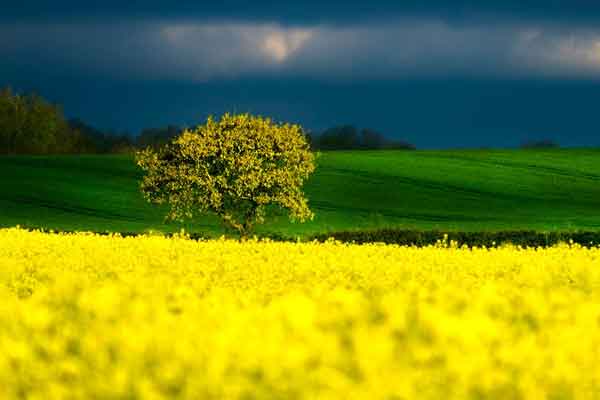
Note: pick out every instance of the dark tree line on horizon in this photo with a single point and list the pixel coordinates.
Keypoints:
(30, 124)
(348, 137)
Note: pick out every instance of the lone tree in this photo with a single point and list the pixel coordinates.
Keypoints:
(235, 167)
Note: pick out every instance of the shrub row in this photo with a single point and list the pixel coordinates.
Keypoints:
(416, 237)
(471, 239)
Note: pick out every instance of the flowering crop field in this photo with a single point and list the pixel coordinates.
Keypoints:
(103, 317)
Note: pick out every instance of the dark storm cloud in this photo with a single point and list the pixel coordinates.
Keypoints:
(440, 73)
(302, 11)
(199, 41)
(200, 50)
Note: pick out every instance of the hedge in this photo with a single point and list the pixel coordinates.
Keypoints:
(419, 238)
(471, 239)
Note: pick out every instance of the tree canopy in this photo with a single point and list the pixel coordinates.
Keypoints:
(31, 125)
(235, 167)
(348, 137)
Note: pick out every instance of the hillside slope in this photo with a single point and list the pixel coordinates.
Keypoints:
(456, 190)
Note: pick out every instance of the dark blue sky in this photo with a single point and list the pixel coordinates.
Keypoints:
(437, 73)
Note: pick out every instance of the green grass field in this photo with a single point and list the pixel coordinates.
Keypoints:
(447, 190)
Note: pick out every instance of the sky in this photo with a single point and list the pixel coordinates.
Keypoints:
(437, 73)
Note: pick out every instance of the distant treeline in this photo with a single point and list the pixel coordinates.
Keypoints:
(344, 137)
(348, 137)
(540, 144)
(30, 124)
(109, 142)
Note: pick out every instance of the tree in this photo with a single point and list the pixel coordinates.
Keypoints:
(91, 139)
(339, 138)
(372, 140)
(12, 120)
(31, 125)
(540, 144)
(347, 137)
(157, 137)
(236, 167)
(96, 141)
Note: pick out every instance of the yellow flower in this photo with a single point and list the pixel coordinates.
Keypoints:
(85, 316)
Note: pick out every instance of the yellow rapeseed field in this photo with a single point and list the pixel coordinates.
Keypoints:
(90, 317)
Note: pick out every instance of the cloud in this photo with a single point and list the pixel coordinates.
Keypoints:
(560, 52)
(201, 51)
(280, 45)
(225, 50)
(431, 48)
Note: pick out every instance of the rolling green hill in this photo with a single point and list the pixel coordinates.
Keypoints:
(448, 190)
